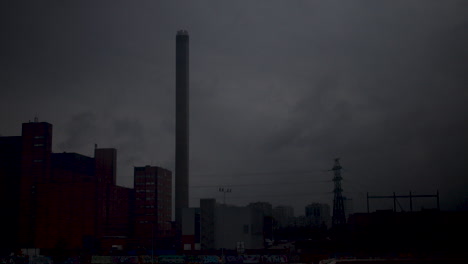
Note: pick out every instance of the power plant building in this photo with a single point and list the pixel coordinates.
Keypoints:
(68, 201)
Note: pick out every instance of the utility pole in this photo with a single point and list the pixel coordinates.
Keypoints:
(339, 217)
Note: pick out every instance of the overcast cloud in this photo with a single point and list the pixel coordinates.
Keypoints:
(278, 90)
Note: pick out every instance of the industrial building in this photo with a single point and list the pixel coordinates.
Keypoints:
(68, 201)
(216, 226)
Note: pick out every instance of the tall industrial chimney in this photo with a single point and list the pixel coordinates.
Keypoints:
(182, 125)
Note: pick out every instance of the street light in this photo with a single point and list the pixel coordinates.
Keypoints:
(225, 190)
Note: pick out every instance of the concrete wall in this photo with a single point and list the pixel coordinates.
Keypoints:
(238, 224)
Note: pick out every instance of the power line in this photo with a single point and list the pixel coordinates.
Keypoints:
(258, 184)
(259, 173)
(273, 195)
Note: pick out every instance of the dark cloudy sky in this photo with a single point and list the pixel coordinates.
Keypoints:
(278, 90)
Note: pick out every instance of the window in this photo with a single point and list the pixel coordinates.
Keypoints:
(37, 137)
(38, 145)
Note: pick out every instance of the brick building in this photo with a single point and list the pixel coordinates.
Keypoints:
(153, 205)
(70, 201)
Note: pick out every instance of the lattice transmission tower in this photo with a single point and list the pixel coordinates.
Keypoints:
(339, 217)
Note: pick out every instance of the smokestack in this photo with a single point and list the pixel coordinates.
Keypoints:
(182, 125)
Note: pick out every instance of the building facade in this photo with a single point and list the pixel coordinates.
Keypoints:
(35, 169)
(153, 204)
(267, 213)
(283, 215)
(238, 226)
(68, 201)
(191, 229)
(222, 226)
(318, 214)
(264, 207)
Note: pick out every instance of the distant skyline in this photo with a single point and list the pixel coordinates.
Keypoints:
(277, 90)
